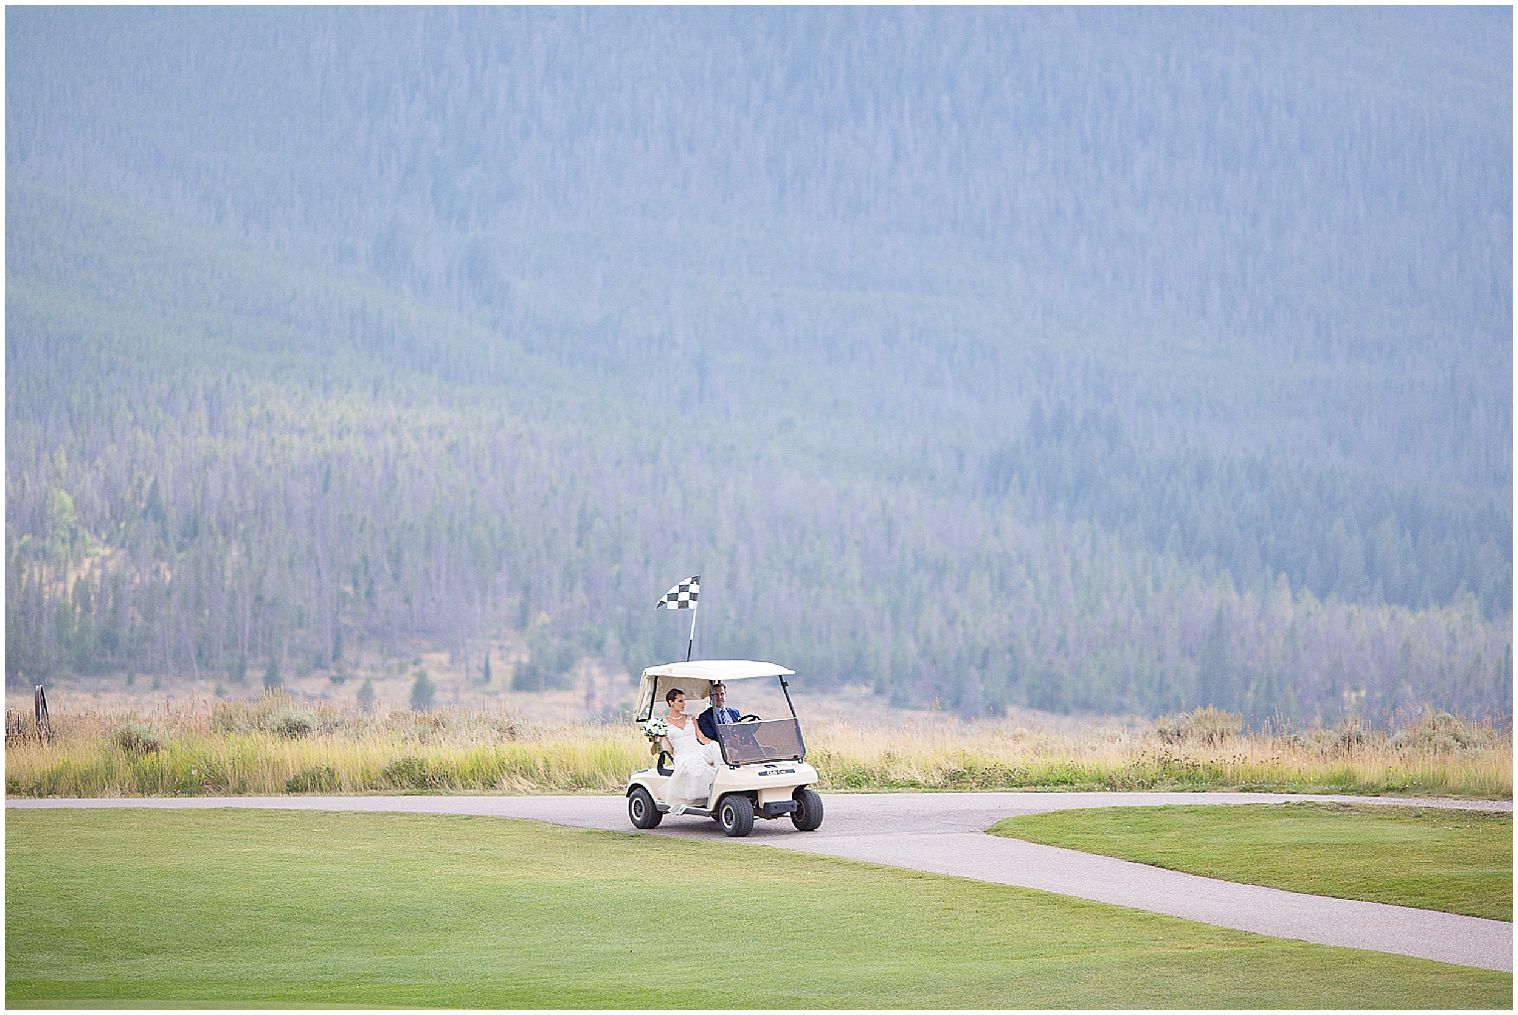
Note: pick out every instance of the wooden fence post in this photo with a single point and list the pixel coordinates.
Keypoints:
(39, 706)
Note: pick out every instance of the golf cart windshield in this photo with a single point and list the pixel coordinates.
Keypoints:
(745, 743)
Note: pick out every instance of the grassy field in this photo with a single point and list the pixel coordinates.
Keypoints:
(280, 745)
(229, 908)
(1453, 861)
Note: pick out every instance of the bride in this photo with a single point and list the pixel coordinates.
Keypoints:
(694, 766)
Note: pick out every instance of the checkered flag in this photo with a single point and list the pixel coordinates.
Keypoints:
(682, 596)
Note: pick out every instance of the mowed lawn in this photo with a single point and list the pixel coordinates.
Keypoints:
(288, 908)
(1429, 858)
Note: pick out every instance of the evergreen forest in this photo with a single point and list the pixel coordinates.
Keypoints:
(1081, 359)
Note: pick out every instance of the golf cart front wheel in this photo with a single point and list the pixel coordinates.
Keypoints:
(641, 809)
(807, 817)
(736, 815)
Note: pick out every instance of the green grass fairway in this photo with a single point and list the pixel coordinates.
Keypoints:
(1453, 861)
(287, 908)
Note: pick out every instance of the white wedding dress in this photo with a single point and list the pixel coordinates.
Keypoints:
(694, 770)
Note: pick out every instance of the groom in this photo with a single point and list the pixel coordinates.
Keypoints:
(717, 713)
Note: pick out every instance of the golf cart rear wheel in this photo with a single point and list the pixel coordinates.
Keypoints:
(641, 809)
(736, 815)
(807, 817)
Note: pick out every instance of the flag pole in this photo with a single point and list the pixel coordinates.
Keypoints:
(684, 596)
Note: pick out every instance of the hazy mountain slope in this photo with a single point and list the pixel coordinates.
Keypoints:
(1088, 359)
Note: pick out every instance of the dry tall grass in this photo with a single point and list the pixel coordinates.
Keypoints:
(278, 745)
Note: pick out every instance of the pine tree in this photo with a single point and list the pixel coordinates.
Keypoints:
(422, 693)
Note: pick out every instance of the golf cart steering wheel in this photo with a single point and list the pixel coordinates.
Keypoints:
(749, 718)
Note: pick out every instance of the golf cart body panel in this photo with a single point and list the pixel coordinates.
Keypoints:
(771, 785)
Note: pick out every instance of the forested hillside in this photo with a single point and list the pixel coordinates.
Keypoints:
(1080, 359)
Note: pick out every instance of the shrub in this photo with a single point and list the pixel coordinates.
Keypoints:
(415, 773)
(1443, 733)
(502, 727)
(293, 725)
(240, 716)
(423, 727)
(1351, 733)
(274, 712)
(453, 727)
(1207, 725)
(137, 738)
(312, 780)
(1321, 740)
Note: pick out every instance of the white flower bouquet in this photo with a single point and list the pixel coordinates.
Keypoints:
(655, 730)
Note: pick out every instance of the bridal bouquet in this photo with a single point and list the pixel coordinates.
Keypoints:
(654, 729)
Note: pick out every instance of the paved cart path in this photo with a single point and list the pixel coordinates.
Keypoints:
(943, 833)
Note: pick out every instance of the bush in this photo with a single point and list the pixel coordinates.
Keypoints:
(1327, 740)
(137, 738)
(1207, 725)
(293, 725)
(1443, 733)
(248, 716)
(1351, 733)
(313, 780)
(416, 773)
(423, 727)
(453, 727)
(274, 712)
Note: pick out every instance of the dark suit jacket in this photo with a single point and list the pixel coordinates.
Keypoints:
(706, 722)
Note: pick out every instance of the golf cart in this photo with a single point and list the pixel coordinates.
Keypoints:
(763, 773)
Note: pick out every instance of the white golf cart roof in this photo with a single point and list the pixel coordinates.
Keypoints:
(719, 670)
(695, 678)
